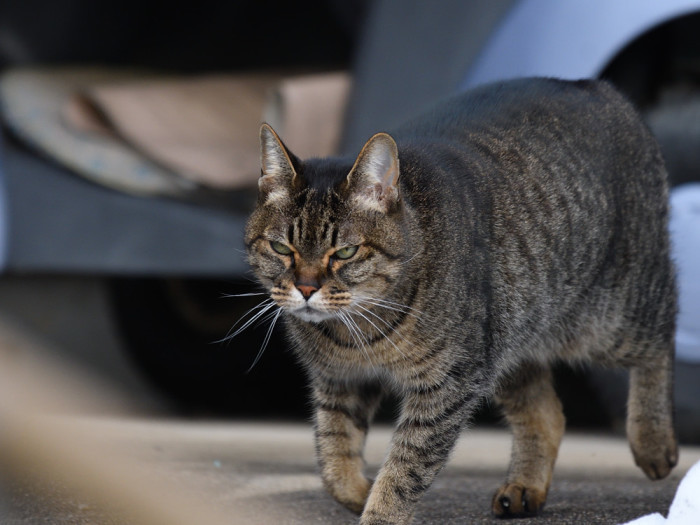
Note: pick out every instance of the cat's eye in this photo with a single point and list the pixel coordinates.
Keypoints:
(280, 248)
(346, 253)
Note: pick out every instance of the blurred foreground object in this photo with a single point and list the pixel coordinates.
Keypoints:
(40, 441)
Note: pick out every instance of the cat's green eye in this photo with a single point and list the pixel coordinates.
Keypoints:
(280, 248)
(346, 253)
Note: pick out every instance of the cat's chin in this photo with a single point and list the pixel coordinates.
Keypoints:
(311, 315)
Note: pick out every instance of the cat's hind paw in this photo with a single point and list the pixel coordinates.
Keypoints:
(516, 501)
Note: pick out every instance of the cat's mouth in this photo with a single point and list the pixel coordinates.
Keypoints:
(310, 314)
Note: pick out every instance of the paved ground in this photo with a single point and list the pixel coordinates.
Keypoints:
(263, 473)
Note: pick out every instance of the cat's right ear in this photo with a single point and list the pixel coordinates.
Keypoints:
(278, 171)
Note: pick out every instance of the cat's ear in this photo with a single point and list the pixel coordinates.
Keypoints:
(278, 171)
(374, 179)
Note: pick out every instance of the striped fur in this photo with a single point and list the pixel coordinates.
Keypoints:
(456, 259)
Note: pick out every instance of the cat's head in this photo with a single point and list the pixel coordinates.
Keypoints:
(327, 235)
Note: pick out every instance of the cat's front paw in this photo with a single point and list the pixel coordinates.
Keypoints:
(352, 493)
(516, 501)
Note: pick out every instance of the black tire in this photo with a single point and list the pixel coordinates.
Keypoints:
(172, 330)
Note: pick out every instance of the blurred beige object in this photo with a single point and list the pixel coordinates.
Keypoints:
(158, 135)
(32, 103)
(206, 128)
(42, 404)
(308, 112)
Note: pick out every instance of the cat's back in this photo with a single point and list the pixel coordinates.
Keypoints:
(509, 105)
(559, 190)
(534, 134)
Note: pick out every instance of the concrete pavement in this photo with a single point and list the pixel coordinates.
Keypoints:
(264, 473)
(73, 453)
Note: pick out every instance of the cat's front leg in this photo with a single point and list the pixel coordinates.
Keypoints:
(428, 430)
(343, 413)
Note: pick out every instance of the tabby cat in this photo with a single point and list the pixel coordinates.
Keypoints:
(514, 226)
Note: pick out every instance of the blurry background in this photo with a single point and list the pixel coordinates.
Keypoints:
(123, 263)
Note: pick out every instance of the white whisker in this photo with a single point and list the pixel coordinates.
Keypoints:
(249, 294)
(258, 314)
(411, 258)
(355, 312)
(262, 307)
(353, 329)
(266, 341)
(392, 328)
(399, 305)
(395, 307)
(262, 304)
(267, 317)
(355, 333)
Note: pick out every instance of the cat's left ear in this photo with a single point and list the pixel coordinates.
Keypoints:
(374, 179)
(278, 171)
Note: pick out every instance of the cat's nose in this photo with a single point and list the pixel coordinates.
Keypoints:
(306, 290)
(307, 281)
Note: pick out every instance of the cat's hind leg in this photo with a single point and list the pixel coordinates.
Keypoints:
(535, 415)
(650, 413)
(343, 412)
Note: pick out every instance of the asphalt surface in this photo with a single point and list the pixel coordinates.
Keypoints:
(264, 473)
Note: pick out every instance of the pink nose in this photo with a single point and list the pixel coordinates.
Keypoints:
(306, 290)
